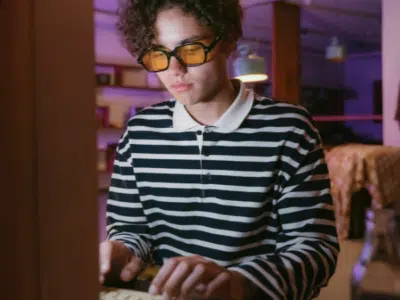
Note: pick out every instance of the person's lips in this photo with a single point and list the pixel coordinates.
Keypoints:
(181, 87)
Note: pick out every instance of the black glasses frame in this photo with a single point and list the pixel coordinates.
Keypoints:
(173, 53)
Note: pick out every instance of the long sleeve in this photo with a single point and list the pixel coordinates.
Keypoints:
(307, 246)
(126, 221)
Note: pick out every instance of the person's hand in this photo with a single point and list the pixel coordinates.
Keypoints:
(181, 276)
(117, 260)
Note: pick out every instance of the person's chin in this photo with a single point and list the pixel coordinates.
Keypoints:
(187, 99)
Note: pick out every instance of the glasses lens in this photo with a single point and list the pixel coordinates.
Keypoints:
(155, 60)
(192, 54)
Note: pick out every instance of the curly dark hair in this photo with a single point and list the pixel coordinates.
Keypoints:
(137, 17)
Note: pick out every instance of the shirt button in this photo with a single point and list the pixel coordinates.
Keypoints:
(199, 132)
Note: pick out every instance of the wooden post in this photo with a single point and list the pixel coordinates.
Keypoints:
(286, 54)
(49, 243)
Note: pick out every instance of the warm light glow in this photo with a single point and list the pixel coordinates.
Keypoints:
(252, 77)
(335, 52)
(249, 67)
(336, 59)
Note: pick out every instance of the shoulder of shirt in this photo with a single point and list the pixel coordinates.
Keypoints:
(154, 112)
(265, 106)
(274, 106)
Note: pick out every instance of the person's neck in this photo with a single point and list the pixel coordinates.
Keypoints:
(209, 112)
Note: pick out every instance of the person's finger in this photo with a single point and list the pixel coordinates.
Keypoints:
(105, 252)
(163, 275)
(218, 282)
(200, 288)
(193, 282)
(173, 285)
(131, 269)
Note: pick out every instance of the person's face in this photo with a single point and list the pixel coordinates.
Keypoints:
(189, 85)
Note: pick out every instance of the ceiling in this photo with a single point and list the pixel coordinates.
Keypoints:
(357, 23)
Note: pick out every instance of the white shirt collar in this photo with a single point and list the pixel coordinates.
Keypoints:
(228, 122)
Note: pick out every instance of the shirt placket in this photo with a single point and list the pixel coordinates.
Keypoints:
(200, 141)
(205, 175)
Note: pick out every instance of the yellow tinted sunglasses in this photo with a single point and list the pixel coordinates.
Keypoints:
(189, 55)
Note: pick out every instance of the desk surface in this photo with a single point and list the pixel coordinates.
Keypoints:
(107, 293)
(124, 294)
(135, 289)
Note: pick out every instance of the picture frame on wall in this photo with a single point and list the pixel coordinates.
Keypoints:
(103, 79)
(103, 116)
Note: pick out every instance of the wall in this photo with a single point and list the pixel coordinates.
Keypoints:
(318, 71)
(315, 70)
(360, 71)
(391, 70)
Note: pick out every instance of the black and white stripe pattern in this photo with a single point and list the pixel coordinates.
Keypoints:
(255, 200)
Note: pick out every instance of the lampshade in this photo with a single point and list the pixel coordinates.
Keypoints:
(249, 67)
(335, 52)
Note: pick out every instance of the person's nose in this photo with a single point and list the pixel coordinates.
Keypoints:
(176, 67)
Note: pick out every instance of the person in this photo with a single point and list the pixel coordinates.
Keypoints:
(226, 190)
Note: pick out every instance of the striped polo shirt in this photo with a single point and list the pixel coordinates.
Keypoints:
(251, 193)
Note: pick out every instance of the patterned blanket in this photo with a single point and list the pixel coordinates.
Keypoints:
(355, 166)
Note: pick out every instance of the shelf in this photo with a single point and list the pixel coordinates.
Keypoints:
(110, 133)
(110, 130)
(343, 118)
(108, 136)
(120, 66)
(127, 77)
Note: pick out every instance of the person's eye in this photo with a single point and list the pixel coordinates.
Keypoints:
(192, 49)
(156, 55)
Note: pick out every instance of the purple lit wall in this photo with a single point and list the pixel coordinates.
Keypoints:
(391, 71)
(360, 71)
(316, 70)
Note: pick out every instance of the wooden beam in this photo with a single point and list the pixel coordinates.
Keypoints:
(48, 151)
(66, 149)
(286, 55)
(20, 236)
